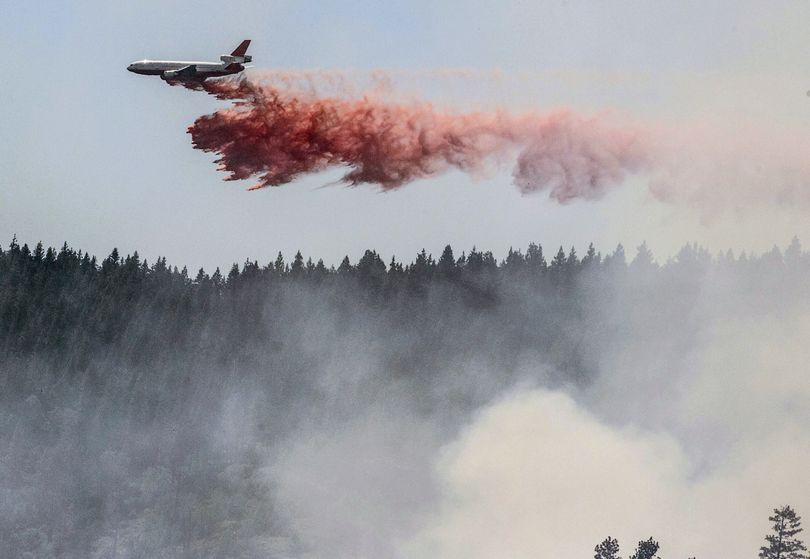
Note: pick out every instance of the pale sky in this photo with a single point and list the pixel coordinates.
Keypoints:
(99, 157)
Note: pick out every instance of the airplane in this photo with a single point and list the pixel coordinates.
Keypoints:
(180, 70)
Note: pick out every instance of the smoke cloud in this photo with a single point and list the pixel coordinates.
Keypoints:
(301, 421)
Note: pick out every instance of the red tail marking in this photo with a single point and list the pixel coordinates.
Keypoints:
(242, 48)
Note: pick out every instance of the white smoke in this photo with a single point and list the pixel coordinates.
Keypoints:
(538, 476)
(692, 434)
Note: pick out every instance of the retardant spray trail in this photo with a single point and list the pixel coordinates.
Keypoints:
(277, 134)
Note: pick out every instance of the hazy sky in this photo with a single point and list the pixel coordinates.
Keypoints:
(99, 157)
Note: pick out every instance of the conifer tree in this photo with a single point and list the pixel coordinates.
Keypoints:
(793, 253)
(371, 269)
(201, 278)
(216, 278)
(591, 257)
(535, 258)
(514, 261)
(644, 258)
(422, 268)
(279, 264)
(345, 268)
(297, 268)
(608, 549)
(783, 543)
(558, 263)
(447, 263)
(646, 549)
(572, 262)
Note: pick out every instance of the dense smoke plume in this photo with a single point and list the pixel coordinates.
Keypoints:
(279, 134)
(445, 410)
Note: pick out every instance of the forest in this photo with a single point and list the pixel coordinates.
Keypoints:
(147, 412)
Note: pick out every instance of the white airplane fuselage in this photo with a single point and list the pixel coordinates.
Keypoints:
(193, 70)
(201, 69)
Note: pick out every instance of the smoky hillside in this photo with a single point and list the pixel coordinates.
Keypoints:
(291, 409)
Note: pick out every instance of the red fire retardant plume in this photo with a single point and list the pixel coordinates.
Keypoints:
(277, 136)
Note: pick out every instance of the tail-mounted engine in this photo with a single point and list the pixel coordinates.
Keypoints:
(230, 59)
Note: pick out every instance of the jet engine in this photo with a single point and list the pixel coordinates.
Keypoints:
(230, 59)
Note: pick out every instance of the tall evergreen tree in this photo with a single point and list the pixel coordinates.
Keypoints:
(793, 253)
(514, 262)
(608, 549)
(572, 262)
(783, 543)
(110, 263)
(446, 266)
(646, 549)
(345, 268)
(558, 263)
(644, 259)
(422, 268)
(534, 257)
(617, 260)
(279, 264)
(371, 269)
(591, 258)
(297, 268)
(216, 278)
(320, 270)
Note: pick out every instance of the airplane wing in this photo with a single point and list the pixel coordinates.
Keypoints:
(186, 71)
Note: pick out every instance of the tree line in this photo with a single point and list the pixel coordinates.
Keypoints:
(781, 543)
(67, 301)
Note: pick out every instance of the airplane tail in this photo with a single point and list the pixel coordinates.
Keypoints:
(239, 55)
(242, 48)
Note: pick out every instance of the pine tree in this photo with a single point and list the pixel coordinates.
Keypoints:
(591, 257)
(783, 543)
(644, 259)
(447, 263)
(233, 275)
(297, 268)
(535, 258)
(608, 549)
(572, 262)
(216, 278)
(110, 263)
(371, 269)
(514, 262)
(395, 268)
(793, 253)
(422, 268)
(279, 264)
(345, 268)
(646, 550)
(558, 263)
(617, 260)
